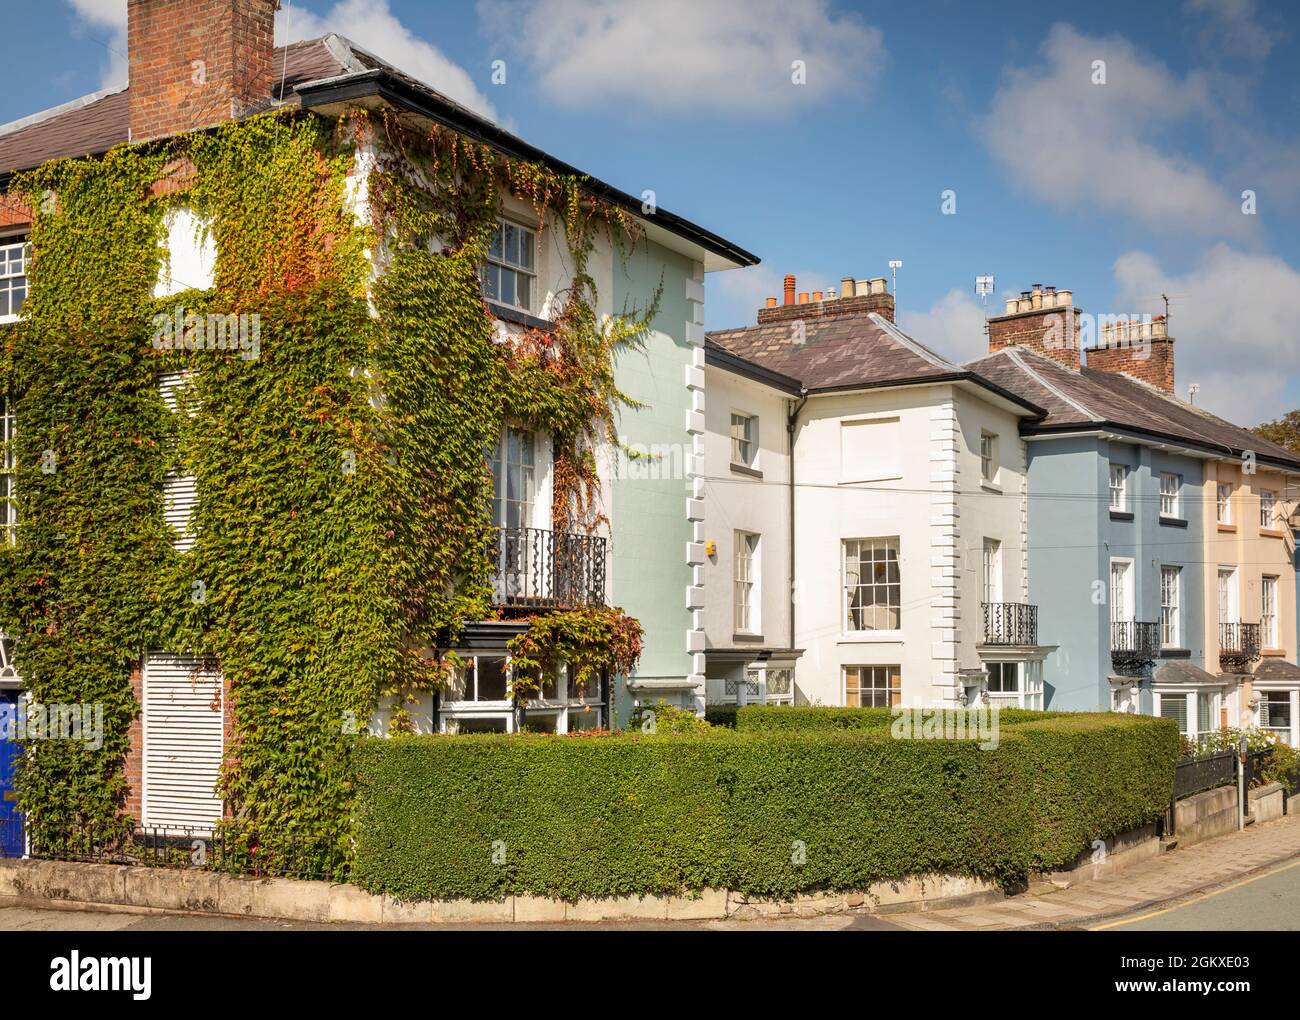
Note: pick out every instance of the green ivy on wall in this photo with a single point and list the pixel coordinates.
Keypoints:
(340, 530)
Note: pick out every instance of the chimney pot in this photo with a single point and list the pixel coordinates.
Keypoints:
(789, 288)
(803, 297)
(830, 294)
(771, 302)
(846, 286)
(817, 295)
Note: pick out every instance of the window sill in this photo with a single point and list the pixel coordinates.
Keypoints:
(871, 637)
(519, 316)
(745, 469)
(1175, 653)
(749, 636)
(1230, 529)
(1273, 653)
(1121, 515)
(7, 319)
(993, 487)
(1172, 522)
(1271, 533)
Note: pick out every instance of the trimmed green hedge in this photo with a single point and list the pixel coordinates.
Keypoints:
(815, 717)
(487, 816)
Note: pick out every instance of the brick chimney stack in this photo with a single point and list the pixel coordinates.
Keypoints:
(1141, 349)
(1042, 319)
(860, 298)
(197, 63)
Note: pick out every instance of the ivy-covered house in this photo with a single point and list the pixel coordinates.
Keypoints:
(331, 408)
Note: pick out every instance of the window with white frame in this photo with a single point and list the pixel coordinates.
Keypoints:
(1207, 713)
(988, 456)
(1171, 580)
(1227, 595)
(1119, 487)
(514, 479)
(1275, 714)
(746, 583)
(481, 699)
(1121, 591)
(1223, 503)
(780, 684)
(1174, 706)
(872, 584)
(1268, 611)
(8, 475)
(509, 277)
(744, 439)
(1015, 684)
(1170, 500)
(873, 686)
(15, 256)
(991, 571)
(1267, 509)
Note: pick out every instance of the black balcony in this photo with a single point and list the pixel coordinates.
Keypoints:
(1133, 646)
(1238, 646)
(538, 568)
(1010, 623)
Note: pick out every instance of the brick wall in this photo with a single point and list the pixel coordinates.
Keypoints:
(1152, 361)
(14, 212)
(196, 63)
(863, 304)
(135, 755)
(1053, 332)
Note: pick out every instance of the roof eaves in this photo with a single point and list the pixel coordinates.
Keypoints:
(1141, 434)
(720, 357)
(404, 91)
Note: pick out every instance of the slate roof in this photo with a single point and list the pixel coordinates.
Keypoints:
(1277, 671)
(319, 72)
(1180, 671)
(1089, 399)
(95, 123)
(849, 352)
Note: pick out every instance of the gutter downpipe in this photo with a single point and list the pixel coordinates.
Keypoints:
(791, 423)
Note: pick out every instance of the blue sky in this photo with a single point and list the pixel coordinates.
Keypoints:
(1119, 191)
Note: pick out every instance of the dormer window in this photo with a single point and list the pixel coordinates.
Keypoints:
(509, 276)
(15, 255)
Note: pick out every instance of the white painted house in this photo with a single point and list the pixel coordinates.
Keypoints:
(865, 514)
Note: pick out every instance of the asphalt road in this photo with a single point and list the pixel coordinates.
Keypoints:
(1266, 902)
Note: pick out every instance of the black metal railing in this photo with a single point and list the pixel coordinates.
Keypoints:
(1010, 623)
(1195, 775)
(230, 849)
(1133, 646)
(1238, 646)
(539, 567)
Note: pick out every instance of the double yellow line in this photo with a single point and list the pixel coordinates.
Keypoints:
(1198, 898)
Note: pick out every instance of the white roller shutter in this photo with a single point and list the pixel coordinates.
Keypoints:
(180, 492)
(183, 740)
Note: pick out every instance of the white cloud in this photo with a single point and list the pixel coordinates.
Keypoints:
(1234, 319)
(105, 21)
(1102, 147)
(953, 326)
(1234, 28)
(372, 26)
(725, 55)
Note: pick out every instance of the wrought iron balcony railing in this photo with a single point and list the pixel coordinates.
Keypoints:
(1010, 623)
(1133, 646)
(536, 567)
(1238, 646)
